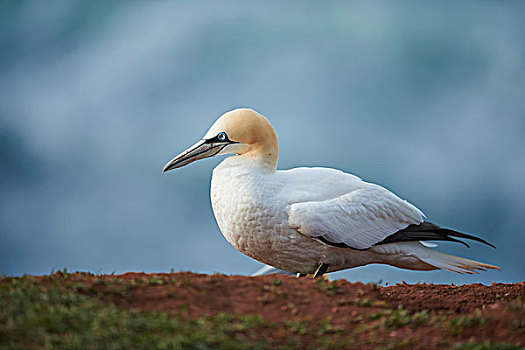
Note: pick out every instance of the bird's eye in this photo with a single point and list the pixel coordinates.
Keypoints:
(222, 136)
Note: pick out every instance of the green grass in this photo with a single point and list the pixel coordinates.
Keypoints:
(458, 324)
(400, 317)
(36, 315)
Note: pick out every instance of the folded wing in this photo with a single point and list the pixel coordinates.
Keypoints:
(368, 216)
(359, 219)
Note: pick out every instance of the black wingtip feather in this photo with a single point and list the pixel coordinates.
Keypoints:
(467, 236)
(427, 231)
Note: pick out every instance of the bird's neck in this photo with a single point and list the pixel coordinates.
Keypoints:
(253, 161)
(265, 156)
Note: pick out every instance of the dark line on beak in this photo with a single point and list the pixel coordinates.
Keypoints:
(196, 155)
(206, 150)
(214, 154)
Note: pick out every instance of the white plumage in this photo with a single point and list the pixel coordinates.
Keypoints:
(361, 217)
(300, 219)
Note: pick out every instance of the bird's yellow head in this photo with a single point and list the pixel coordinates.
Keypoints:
(242, 132)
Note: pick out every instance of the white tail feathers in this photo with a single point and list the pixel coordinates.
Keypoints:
(416, 256)
(453, 263)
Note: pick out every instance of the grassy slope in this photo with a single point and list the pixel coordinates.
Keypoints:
(55, 315)
(59, 312)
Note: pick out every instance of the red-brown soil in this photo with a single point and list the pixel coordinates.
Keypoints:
(419, 316)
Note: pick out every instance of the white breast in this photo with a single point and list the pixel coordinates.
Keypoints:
(249, 216)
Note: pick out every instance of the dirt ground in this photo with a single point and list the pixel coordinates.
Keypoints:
(419, 316)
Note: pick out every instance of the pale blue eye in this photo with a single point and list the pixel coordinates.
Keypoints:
(222, 136)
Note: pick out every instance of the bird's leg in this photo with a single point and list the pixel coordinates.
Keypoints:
(300, 275)
(320, 270)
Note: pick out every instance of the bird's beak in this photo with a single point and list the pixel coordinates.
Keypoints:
(200, 150)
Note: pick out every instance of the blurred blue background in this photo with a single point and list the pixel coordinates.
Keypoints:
(427, 99)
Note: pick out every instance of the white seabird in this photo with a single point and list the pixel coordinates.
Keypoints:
(311, 220)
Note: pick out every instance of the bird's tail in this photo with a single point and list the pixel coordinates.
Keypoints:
(455, 263)
(416, 256)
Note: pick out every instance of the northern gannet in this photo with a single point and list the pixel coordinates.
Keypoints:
(311, 220)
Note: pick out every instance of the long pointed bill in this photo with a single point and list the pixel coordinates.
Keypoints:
(200, 150)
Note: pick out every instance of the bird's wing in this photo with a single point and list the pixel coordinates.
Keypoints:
(359, 219)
